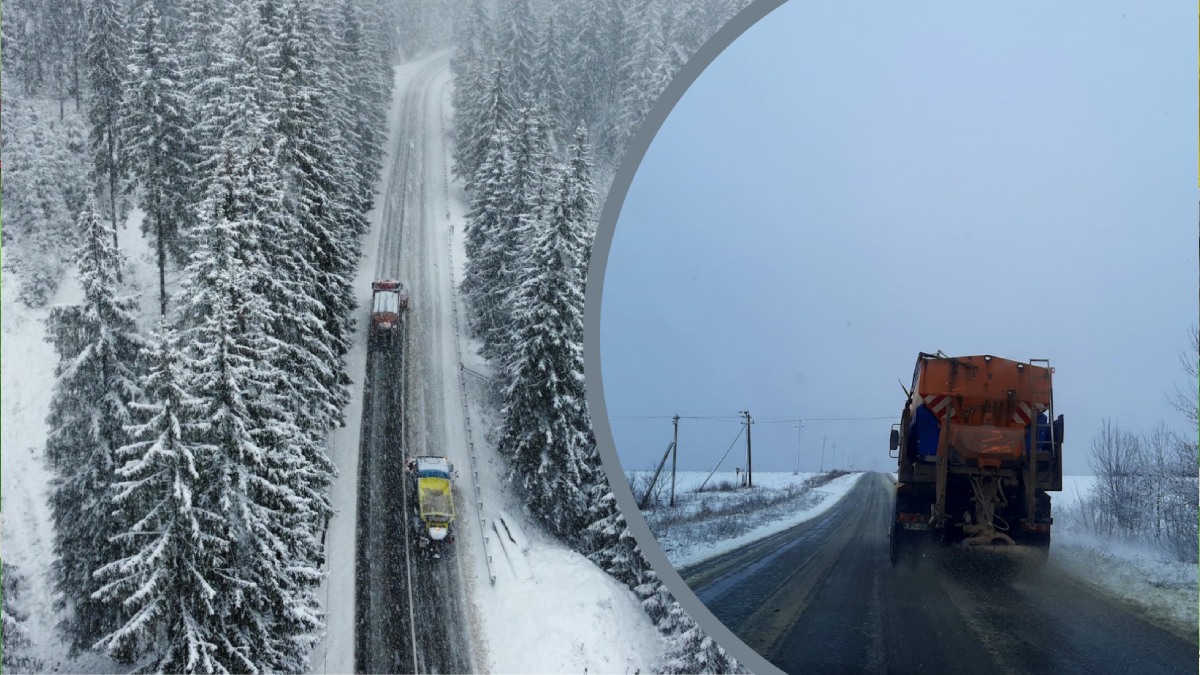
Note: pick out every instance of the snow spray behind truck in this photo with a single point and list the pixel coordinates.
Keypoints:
(978, 448)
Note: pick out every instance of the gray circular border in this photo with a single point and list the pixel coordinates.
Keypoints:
(591, 331)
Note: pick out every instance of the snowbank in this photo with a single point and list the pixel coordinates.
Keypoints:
(805, 506)
(1135, 572)
(567, 617)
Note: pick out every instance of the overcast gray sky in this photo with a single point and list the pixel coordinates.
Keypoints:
(851, 183)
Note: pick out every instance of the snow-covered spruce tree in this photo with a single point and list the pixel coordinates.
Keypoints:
(546, 430)
(645, 38)
(578, 198)
(593, 71)
(266, 594)
(522, 202)
(305, 366)
(239, 91)
(366, 120)
(489, 214)
(13, 656)
(692, 650)
(382, 47)
(494, 114)
(606, 540)
(549, 78)
(59, 27)
(98, 347)
(320, 179)
(517, 45)
(177, 544)
(38, 228)
(45, 187)
(16, 59)
(200, 62)
(106, 54)
(473, 57)
(161, 156)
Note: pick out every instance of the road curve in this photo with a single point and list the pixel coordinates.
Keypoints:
(822, 596)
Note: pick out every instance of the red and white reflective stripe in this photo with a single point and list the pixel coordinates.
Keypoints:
(1023, 413)
(1026, 411)
(939, 406)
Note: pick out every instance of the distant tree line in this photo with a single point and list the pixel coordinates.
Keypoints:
(547, 96)
(190, 488)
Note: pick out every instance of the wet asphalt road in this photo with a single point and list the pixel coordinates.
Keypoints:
(410, 602)
(822, 597)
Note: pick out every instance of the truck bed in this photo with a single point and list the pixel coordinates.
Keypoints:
(434, 498)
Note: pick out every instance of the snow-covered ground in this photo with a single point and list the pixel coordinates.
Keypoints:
(792, 505)
(27, 535)
(1136, 572)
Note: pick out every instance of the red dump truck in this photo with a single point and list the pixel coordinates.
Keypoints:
(388, 302)
(978, 449)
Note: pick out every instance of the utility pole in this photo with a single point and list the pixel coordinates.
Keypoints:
(749, 464)
(674, 456)
(822, 469)
(799, 446)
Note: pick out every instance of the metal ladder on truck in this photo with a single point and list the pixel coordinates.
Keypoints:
(1048, 479)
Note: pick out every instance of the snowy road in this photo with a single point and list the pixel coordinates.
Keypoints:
(822, 595)
(411, 609)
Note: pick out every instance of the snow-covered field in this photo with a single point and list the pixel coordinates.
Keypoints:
(718, 521)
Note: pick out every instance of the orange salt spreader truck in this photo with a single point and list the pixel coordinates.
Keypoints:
(978, 448)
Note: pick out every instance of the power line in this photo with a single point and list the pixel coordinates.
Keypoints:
(708, 417)
(821, 419)
(740, 418)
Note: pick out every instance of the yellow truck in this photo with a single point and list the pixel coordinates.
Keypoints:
(431, 478)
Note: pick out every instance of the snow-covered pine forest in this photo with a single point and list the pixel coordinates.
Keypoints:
(189, 470)
(189, 474)
(544, 93)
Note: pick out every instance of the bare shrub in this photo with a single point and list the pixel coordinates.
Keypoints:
(1146, 488)
(640, 485)
(721, 486)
